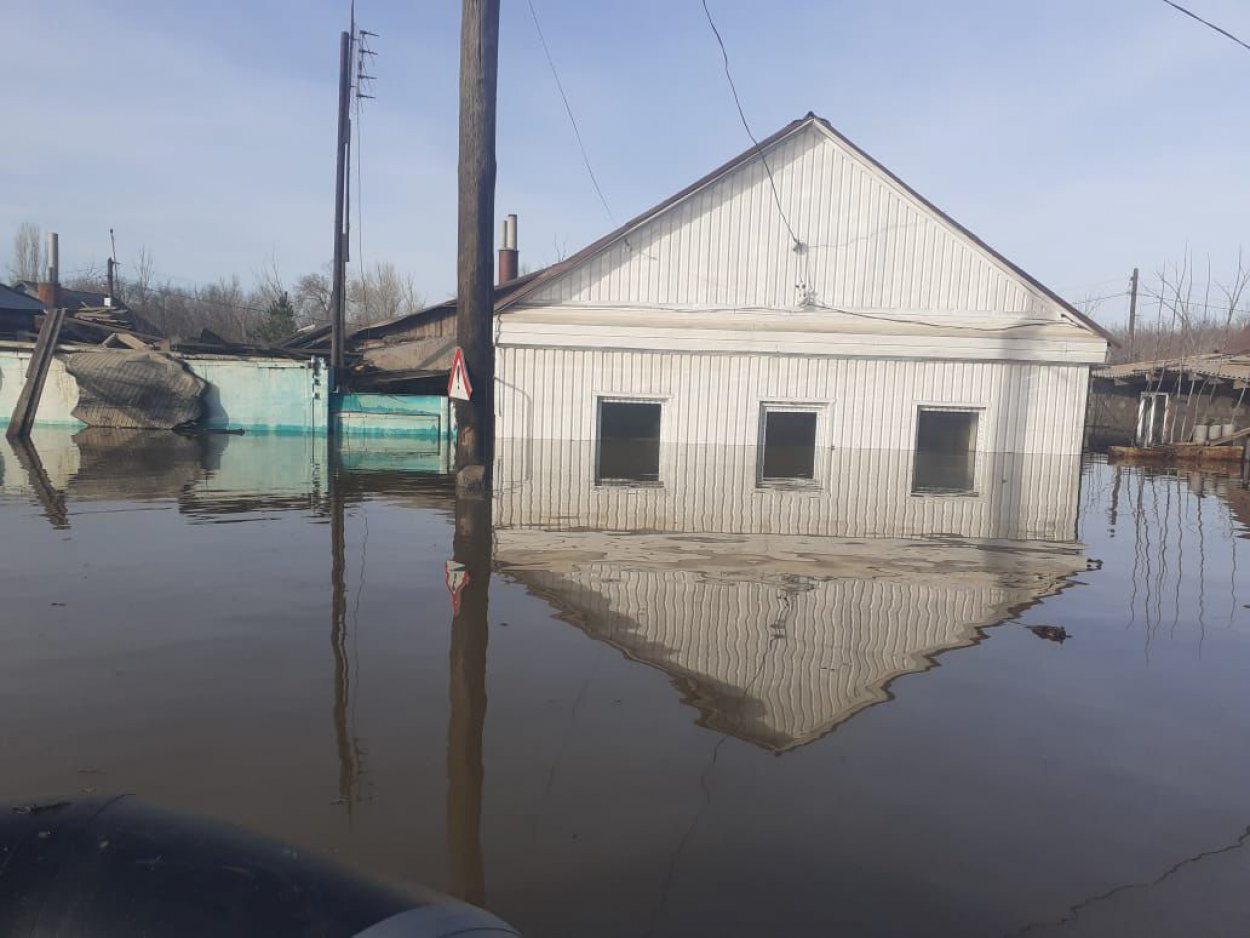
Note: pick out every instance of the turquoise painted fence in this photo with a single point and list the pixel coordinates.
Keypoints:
(405, 432)
(273, 395)
(264, 394)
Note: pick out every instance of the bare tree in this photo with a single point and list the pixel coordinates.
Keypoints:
(1236, 312)
(28, 259)
(269, 287)
(1194, 313)
(136, 289)
(382, 293)
(312, 299)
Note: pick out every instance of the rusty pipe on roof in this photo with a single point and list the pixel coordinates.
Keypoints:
(509, 257)
(50, 287)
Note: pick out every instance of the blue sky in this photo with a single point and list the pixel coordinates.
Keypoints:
(1080, 138)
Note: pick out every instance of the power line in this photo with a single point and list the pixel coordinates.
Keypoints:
(196, 297)
(929, 323)
(742, 115)
(1208, 24)
(1181, 302)
(1099, 299)
(569, 110)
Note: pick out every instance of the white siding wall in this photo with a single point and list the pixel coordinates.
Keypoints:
(870, 245)
(709, 398)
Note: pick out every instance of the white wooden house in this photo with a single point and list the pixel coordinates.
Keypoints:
(798, 300)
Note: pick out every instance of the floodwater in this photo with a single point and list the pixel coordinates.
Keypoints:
(703, 707)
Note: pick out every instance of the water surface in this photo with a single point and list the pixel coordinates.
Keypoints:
(698, 708)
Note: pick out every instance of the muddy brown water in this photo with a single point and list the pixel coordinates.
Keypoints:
(721, 724)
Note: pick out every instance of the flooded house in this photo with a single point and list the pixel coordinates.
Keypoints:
(798, 300)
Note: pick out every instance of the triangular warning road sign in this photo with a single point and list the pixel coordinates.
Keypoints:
(458, 385)
(456, 576)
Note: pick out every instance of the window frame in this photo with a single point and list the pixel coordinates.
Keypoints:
(598, 479)
(975, 449)
(820, 445)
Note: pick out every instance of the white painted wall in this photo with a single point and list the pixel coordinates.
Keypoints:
(869, 243)
(884, 305)
(60, 390)
(714, 399)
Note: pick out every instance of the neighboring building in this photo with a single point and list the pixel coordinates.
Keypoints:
(18, 311)
(1172, 400)
(87, 308)
(799, 299)
(405, 355)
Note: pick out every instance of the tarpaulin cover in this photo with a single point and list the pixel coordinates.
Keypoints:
(140, 389)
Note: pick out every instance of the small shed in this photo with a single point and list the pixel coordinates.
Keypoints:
(799, 299)
(1195, 398)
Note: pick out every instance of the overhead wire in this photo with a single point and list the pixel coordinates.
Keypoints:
(1219, 29)
(733, 88)
(568, 108)
(211, 301)
(900, 320)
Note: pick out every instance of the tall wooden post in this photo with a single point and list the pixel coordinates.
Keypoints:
(338, 295)
(479, 61)
(469, 574)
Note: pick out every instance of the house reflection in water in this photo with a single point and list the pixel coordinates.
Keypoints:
(781, 612)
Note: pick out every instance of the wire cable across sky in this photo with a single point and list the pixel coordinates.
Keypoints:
(569, 110)
(733, 88)
(1219, 29)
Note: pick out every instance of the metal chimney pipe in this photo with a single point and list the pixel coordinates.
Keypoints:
(54, 258)
(50, 289)
(509, 257)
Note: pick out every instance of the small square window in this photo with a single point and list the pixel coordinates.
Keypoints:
(629, 441)
(788, 446)
(946, 442)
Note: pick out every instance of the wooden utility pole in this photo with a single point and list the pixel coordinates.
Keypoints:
(479, 67)
(338, 295)
(1132, 315)
(468, 575)
(36, 374)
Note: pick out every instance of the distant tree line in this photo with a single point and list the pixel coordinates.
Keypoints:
(1183, 310)
(265, 312)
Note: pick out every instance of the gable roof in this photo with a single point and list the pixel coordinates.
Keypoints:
(73, 299)
(557, 270)
(13, 300)
(315, 337)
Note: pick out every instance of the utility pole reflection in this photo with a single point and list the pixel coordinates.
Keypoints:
(338, 640)
(468, 579)
(50, 499)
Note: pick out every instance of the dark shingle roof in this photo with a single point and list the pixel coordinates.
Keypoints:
(15, 301)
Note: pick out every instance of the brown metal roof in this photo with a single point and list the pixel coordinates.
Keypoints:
(555, 270)
(1234, 367)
